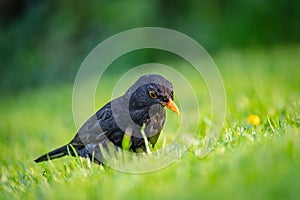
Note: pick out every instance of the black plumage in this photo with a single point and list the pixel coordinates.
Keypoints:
(141, 106)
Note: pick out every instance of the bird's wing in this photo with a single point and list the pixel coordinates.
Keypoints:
(89, 133)
(92, 131)
(100, 132)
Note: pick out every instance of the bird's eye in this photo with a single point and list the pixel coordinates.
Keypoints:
(152, 94)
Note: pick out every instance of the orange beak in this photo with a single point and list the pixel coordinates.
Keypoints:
(172, 106)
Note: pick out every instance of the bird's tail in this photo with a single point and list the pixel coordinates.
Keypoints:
(57, 153)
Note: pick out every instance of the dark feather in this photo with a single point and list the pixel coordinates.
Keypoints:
(128, 113)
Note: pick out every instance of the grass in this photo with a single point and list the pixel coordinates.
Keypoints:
(247, 162)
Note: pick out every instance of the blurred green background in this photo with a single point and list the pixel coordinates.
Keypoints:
(44, 42)
(256, 46)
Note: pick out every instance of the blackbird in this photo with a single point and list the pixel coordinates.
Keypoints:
(140, 110)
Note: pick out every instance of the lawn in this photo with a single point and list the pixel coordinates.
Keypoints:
(246, 162)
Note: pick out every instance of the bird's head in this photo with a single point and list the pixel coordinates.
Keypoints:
(152, 89)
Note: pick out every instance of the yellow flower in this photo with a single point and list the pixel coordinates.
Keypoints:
(254, 120)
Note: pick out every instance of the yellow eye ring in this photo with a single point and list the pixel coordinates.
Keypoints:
(152, 94)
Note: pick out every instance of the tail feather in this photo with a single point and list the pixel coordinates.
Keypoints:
(57, 153)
